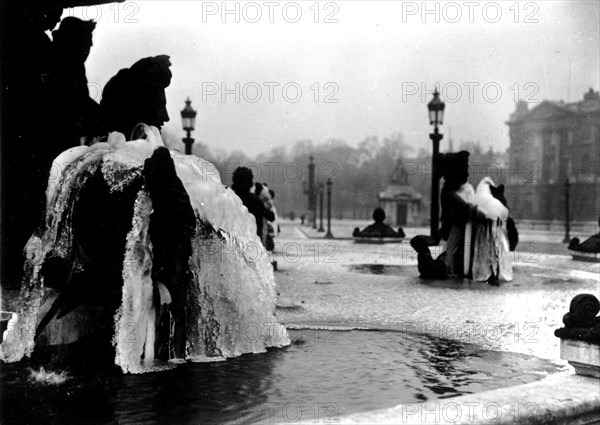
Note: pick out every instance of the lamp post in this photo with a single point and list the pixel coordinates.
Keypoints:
(321, 190)
(188, 117)
(329, 235)
(315, 194)
(436, 118)
(312, 196)
(567, 218)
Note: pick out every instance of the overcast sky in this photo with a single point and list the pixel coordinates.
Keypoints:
(360, 76)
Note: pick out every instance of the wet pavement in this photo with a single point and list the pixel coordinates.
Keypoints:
(342, 284)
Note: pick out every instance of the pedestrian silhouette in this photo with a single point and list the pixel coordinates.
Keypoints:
(242, 183)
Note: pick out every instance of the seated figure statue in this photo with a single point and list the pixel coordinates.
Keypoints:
(588, 250)
(378, 232)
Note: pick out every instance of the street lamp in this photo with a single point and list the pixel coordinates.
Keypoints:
(311, 192)
(321, 190)
(436, 118)
(567, 238)
(188, 117)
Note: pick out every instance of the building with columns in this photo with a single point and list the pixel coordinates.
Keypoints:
(550, 143)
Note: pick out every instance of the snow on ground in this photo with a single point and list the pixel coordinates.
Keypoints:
(321, 283)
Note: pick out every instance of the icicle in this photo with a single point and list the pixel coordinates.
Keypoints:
(132, 318)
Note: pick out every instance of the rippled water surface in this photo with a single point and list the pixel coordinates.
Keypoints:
(322, 375)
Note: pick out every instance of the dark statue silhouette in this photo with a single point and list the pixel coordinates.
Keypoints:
(137, 95)
(26, 153)
(74, 116)
(46, 109)
(378, 231)
(588, 250)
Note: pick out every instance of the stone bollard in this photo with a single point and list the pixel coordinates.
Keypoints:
(580, 338)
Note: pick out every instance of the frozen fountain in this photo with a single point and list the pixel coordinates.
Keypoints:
(226, 291)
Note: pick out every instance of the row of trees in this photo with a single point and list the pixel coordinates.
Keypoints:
(358, 173)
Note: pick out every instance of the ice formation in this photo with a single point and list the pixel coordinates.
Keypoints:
(491, 254)
(230, 302)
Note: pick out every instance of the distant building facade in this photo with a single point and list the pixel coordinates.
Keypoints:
(549, 143)
(400, 201)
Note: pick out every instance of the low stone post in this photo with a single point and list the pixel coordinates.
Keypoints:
(329, 235)
(580, 338)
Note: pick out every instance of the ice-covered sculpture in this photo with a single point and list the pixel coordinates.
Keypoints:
(227, 287)
(491, 251)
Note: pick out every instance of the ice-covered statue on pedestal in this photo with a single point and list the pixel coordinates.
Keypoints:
(477, 233)
(146, 252)
(491, 250)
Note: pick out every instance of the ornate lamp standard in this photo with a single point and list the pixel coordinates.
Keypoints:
(188, 117)
(436, 117)
(312, 193)
(567, 218)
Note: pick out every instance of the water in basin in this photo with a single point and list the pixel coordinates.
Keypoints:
(323, 375)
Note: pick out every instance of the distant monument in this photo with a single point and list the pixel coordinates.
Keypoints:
(400, 201)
